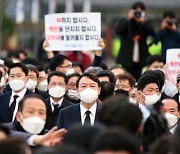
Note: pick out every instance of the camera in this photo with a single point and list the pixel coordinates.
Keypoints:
(137, 14)
(170, 22)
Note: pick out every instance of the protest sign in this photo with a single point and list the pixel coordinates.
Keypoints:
(73, 31)
(173, 64)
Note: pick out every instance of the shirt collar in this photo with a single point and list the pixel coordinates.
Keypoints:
(52, 101)
(92, 109)
(20, 94)
(172, 130)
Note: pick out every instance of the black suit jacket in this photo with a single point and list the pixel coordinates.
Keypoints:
(5, 114)
(127, 29)
(44, 95)
(69, 116)
(51, 117)
(176, 97)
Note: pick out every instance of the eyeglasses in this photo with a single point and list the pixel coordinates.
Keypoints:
(67, 66)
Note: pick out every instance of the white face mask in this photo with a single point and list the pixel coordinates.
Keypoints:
(70, 71)
(31, 84)
(88, 95)
(42, 86)
(171, 119)
(17, 85)
(33, 125)
(57, 91)
(152, 99)
(72, 94)
(3, 82)
(132, 101)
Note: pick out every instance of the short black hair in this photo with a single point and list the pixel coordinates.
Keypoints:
(40, 68)
(33, 61)
(90, 76)
(154, 58)
(22, 101)
(33, 68)
(79, 135)
(107, 90)
(5, 130)
(128, 77)
(116, 111)
(115, 140)
(146, 79)
(13, 145)
(69, 76)
(13, 54)
(57, 61)
(107, 73)
(20, 65)
(159, 75)
(169, 14)
(139, 5)
(7, 61)
(21, 51)
(77, 64)
(55, 73)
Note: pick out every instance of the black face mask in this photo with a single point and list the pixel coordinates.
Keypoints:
(121, 92)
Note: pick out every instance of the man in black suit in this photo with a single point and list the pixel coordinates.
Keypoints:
(177, 95)
(85, 112)
(57, 82)
(30, 121)
(171, 110)
(133, 32)
(31, 84)
(9, 101)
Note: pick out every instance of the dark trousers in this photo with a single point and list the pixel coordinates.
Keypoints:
(135, 70)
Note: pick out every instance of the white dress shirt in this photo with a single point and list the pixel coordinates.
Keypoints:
(92, 114)
(21, 95)
(145, 112)
(52, 102)
(172, 130)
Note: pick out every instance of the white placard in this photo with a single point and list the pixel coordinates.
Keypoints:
(73, 31)
(173, 64)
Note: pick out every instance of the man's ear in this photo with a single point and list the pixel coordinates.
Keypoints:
(179, 115)
(147, 68)
(139, 95)
(19, 117)
(99, 90)
(177, 85)
(26, 78)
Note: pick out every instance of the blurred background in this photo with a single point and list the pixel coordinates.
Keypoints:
(22, 21)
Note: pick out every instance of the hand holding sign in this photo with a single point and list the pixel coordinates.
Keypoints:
(49, 52)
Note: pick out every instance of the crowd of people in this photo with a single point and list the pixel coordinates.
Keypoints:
(64, 107)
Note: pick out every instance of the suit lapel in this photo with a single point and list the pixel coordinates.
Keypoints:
(48, 104)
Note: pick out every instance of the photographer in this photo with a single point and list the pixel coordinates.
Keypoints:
(168, 33)
(133, 32)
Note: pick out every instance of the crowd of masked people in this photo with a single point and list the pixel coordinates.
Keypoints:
(62, 107)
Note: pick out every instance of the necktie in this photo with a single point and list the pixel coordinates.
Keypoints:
(13, 104)
(55, 107)
(87, 119)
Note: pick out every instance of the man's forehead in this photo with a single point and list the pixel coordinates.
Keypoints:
(34, 103)
(169, 102)
(16, 70)
(85, 79)
(152, 85)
